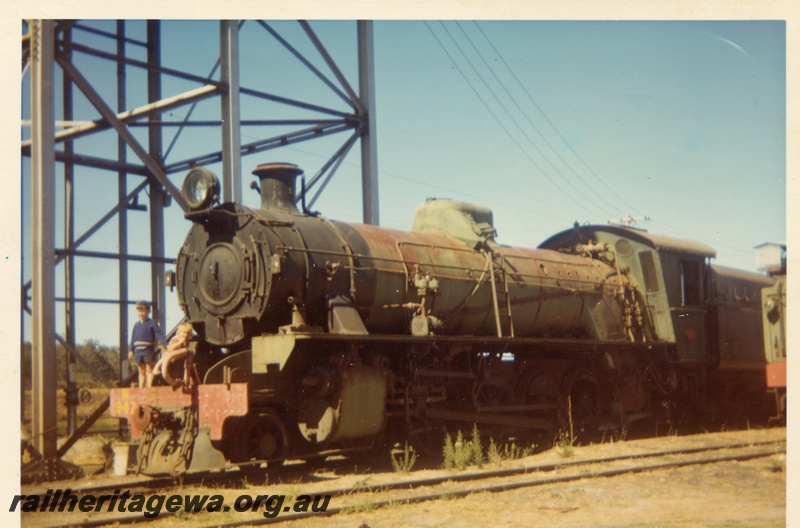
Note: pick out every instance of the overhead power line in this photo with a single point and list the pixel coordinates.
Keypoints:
(524, 114)
(504, 128)
(553, 126)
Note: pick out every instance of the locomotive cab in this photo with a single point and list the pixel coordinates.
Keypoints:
(710, 316)
(672, 275)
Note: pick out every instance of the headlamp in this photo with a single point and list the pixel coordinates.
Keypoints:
(200, 188)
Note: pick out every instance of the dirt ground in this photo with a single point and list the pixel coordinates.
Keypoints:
(731, 494)
(726, 494)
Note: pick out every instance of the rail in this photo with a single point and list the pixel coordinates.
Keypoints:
(457, 485)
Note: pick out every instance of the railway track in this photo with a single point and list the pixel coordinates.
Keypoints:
(234, 475)
(416, 490)
(295, 472)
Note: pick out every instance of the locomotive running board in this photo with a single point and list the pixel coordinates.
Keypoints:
(549, 343)
(494, 419)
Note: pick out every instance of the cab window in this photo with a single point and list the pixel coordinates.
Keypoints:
(691, 292)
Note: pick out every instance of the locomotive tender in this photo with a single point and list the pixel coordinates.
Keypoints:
(317, 336)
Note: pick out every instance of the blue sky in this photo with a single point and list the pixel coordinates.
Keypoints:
(545, 122)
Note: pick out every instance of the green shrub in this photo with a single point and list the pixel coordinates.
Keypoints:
(476, 447)
(463, 453)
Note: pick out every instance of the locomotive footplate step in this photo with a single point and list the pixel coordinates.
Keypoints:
(167, 457)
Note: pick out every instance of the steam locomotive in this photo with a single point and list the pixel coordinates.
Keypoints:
(320, 337)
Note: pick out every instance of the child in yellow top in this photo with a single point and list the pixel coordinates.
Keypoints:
(181, 339)
(178, 343)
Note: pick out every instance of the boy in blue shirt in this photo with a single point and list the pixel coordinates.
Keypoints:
(146, 334)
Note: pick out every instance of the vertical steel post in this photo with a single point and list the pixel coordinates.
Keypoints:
(369, 149)
(231, 135)
(156, 190)
(44, 427)
(122, 217)
(23, 407)
(69, 261)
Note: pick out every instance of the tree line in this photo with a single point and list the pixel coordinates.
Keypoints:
(104, 360)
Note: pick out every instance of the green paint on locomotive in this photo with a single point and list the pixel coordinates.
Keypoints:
(668, 273)
(774, 314)
(710, 313)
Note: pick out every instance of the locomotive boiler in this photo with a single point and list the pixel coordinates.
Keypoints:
(317, 336)
(243, 273)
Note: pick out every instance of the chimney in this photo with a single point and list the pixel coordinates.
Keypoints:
(277, 185)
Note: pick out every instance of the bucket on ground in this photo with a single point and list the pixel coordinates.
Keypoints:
(121, 459)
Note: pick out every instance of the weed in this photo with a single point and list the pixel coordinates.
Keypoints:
(569, 414)
(457, 455)
(476, 448)
(365, 506)
(462, 453)
(494, 453)
(565, 441)
(404, 462)
(623, 434)
(513, 451)
(292, 492)
(448, 452)
(565, 444)
(618, 435)
(362, 484)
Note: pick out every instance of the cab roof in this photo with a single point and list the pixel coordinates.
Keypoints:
(581, 234)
